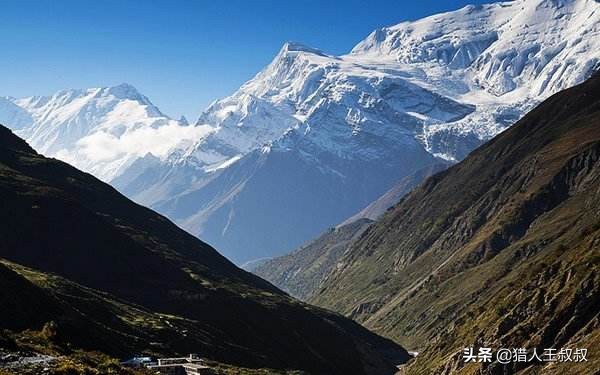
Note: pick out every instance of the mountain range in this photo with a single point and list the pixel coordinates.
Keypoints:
(100, 130)
(314, 138)
(439, 184)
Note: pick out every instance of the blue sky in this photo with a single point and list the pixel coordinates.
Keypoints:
(181, 54)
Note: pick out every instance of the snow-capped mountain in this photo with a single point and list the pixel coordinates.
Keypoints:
(12, 114)
(100, 130)
(303, 145)
(313, 137)
(503, 57)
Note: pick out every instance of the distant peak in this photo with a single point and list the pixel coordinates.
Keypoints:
(123, 91)
(183, 121)
(126, 91)
(125, 86)
(299, 47)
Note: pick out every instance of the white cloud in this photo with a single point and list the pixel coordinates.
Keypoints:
(102, 153)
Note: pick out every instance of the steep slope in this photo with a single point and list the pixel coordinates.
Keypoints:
(124, 262)
(378, 207)
(23, 305)
(501, 250)
(100, 130)
(10, 113)
(406, 97)
(90, 319)
(303, 271)
(235, 206)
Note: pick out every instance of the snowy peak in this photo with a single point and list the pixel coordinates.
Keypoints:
(100, 130)
(64, 118)
(422, 77)
(454, 38)
(294, 65)
(264, 108)
(124, 91)
(94, 100)
(295, 47)
(547, 44)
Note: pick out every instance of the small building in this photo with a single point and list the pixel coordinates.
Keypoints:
(190, 365)
(196, 369)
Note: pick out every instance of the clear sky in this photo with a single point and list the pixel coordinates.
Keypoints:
(181, 54)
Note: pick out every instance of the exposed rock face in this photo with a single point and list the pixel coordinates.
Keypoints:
(500, 250)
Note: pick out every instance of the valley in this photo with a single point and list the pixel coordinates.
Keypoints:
(426, 202)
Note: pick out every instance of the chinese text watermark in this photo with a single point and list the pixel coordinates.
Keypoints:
(506, 355)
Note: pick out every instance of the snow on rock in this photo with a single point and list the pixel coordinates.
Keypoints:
(353, 125)
(403, 98)
(501, 46)
(99, 130)
(451, 81)
(455, 38)
(326, 98)
(12, 115)
(502, 58)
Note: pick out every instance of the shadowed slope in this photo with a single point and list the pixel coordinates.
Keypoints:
(104, 248)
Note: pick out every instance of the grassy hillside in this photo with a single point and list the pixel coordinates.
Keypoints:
(500, 250)
(303, 271)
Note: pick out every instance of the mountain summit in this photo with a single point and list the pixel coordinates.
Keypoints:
(314, 138)
(101, 130)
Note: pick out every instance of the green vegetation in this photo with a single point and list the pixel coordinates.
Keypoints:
(302, 272)
(502, 249)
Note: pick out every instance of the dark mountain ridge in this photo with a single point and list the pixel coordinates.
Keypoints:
(110, 268)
